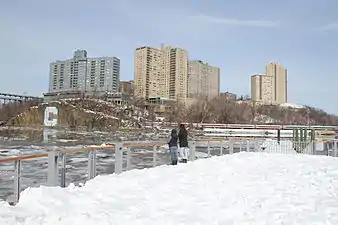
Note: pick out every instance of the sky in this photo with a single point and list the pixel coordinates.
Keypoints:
(238, 36)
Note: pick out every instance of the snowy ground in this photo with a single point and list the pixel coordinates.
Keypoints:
(243, 188)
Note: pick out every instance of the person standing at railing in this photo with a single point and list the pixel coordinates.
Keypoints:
(183, 141)
(173, 147)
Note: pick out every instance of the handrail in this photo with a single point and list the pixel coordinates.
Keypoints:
(71, 151)
(126, 144)
(144, 144)
(76, 150)
(23, 157)
(67, 151)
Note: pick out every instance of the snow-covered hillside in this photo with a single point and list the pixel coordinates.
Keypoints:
(292, 105)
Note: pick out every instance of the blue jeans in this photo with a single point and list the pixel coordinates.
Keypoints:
(173, 153)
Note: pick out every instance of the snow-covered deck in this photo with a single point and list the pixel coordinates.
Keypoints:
(242, 188)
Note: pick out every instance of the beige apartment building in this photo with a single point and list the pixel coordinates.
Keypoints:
(161, 73)
(279, 82)
(270, 88)
(256, 87)
(203, 80)
(147, 72)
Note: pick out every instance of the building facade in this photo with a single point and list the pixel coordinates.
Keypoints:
(147, 72)
(83, 74)
(175, 70)
(127, 88)
(203, 80)
(278, 76)
(161, 73)
(270, 88)
(256, 87)
(228, 96)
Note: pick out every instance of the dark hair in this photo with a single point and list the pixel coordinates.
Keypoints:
(182, 125)
(174, 133)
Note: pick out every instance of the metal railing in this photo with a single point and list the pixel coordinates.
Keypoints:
(220, 146)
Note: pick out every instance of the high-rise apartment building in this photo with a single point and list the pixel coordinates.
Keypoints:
(161, 72)
(85, 74)
(203, 80)
(279, 82)
(270, 88)
(148, 72)
(256, 87)
(175, 69)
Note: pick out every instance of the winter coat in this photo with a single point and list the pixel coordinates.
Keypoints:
(183, 137)
(173, 140)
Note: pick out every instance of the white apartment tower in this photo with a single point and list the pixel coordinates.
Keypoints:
(203, 80)
(83, 74)
(161, 72)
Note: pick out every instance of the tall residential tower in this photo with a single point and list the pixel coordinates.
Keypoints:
(279, 82)
(203, 80)
(148, 72)
(270, 88)
(83, 74)
(161, 72)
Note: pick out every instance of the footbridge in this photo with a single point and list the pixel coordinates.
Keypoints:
(9, 97)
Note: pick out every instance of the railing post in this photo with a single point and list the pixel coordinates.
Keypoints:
(52, 169)
(311, 146)
(192, 154)
(208, 147)
(221, 148)
(334, 148)
(314, 147)
(92, 164)
(17, 175)
(154, 155)
(128, 159)
(231, 149)
(247, 145)
(118, 158)
(63, 169)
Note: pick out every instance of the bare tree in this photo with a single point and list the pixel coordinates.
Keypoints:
(254, 109)
(12, 109)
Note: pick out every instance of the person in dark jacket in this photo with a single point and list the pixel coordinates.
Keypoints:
(173, 147)
(183, 140)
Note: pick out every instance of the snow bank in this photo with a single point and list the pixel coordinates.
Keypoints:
(292, 105)
(243, 188)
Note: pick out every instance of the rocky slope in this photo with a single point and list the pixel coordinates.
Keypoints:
(94, 114)
(11, 109)
(87, 114)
